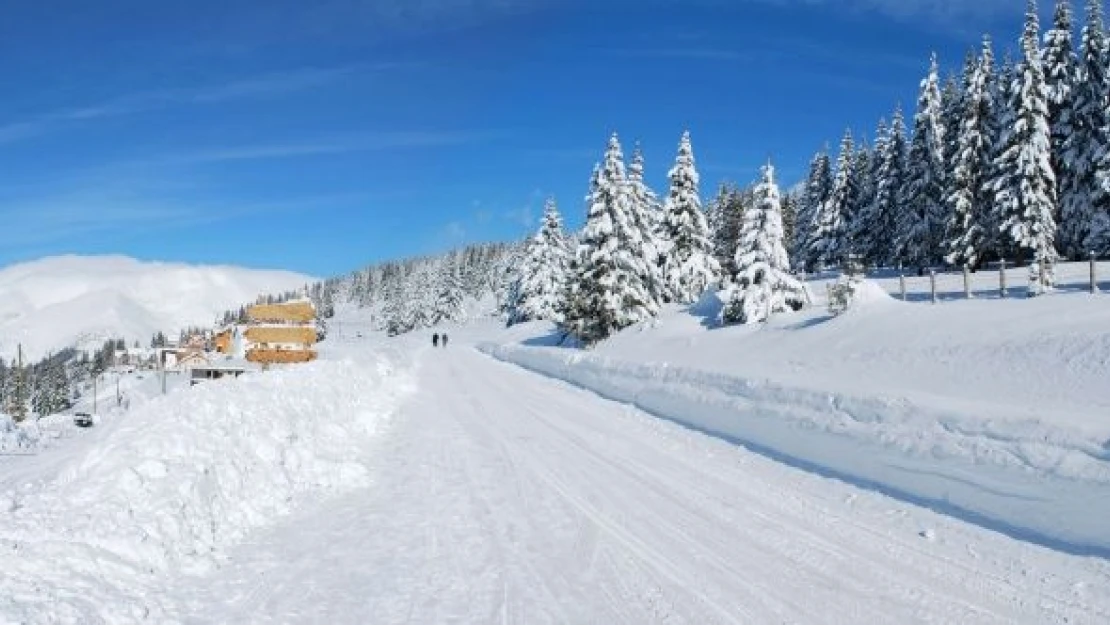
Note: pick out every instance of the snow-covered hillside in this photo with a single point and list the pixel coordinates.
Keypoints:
(61, 301)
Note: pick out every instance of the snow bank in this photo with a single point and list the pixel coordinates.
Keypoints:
(1040, 482)
(868, 294)
(175, 483)
(15, 439)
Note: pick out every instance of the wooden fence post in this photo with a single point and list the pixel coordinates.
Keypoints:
(902, 282)
(1094, 277)
(1002, 277)
(967, 281)
(933, 284)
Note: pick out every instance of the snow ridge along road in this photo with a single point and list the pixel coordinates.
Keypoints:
(501, 496)
(1046, 484)
(93, 532)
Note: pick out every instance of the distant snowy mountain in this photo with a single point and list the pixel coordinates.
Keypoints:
(56, 302)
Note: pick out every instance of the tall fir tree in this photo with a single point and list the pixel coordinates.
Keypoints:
(829, 241)
(542, 274)
(19, 394)
(866, 231)
(606, 291)
(723, 216)
(818, 187)
(996, 245)
(863, 193)
(689, 267)
(951, 116)
(1085, 192)
(921, 225)
(1026, 196)
(449, 297)
(789, 218)
(764, 285)
(1060, 65)
(970, 197)
(883, 214)
(647, 214)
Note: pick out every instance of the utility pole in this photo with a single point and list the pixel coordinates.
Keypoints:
(19, 406)
(95, 376)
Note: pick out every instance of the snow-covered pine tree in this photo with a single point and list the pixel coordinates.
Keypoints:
(951, 116)
(647, 214)
(1060, 64)
(789, 218)
(723, 217)
(996, 245)
(450, 294)
(970, 198)
(818, 187)
(19, 393)
(1026, 196)
(51, 388)
(764, 285)
(883, 215)
(829, 241)
(866, 235)
(921, 225)
(863, 187)
(5, 385)
(542, 274)
(689, 266)
(606, 291)
(1085, 190)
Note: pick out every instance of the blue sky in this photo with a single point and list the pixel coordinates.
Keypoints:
(321, 136)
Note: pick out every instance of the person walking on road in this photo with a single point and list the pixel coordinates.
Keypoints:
(445, 339)
(435, 339)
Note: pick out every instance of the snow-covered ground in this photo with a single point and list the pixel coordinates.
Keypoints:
(506, 497)
(117, 395)
(392, 482)
(995, 410)
(57, 302)
(92, 530)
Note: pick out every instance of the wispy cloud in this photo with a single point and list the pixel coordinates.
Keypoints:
(946, 10)
(680, 53)
(337, 145)
(523, 216)
(75, 217)
(455, 231)
(265, 85)
(269, 84)
(125, 200)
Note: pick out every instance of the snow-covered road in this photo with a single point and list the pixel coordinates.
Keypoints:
(501, 496)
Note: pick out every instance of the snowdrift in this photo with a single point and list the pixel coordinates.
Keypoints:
(15, 439)
(1044, 483)
(170, 487)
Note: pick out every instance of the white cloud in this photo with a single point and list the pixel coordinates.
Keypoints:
(367, 142)
(945, 10)
(455, 231)
(127, 199)
(259, 86)
(693, 53)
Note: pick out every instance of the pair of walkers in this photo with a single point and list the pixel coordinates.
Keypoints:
(437, 339)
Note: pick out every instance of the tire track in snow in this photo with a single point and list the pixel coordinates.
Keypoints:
(892, 552)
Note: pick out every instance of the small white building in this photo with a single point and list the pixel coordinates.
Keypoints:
(219, 369)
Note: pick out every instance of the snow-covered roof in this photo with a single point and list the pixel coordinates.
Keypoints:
(229, 364)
